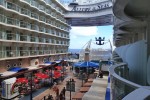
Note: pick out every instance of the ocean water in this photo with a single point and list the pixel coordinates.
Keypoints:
(74, 50)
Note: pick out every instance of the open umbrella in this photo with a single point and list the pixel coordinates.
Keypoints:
(41, 75)
(57, 74)
(58, 67)
(22, 80)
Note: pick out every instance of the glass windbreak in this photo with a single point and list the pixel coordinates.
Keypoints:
(120, 89)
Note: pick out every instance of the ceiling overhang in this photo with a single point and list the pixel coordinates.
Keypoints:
(91, 21)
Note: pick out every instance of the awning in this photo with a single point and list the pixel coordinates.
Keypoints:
(17, 69)
(86, 64)
(7, 73)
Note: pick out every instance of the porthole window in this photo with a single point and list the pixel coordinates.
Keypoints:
(20, 64)
(8, 66)
(15, 65)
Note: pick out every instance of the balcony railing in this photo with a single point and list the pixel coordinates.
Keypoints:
(121, 86)
(23, 24)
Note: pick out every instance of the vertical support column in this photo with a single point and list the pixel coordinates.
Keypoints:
(148, 38)
(148, 50)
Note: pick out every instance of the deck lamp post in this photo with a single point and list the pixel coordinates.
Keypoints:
(70, 86)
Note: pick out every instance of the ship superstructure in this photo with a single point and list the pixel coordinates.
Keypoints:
(32, 30)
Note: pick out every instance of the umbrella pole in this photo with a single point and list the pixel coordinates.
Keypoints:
(31, 87)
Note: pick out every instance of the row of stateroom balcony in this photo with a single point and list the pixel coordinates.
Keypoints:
(29, 38)
(31, 26)
(53, 14)
(17, 53)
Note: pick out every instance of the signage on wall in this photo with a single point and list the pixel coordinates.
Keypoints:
(91, 8)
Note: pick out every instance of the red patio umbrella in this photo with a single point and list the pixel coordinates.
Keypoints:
(58, 67)
(57, 74)
(36, 80)
(41, 75)
(22, 80)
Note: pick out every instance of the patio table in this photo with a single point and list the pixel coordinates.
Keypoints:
(78, 96)
(84, 89)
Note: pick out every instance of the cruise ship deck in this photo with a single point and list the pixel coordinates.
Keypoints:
(35, 38)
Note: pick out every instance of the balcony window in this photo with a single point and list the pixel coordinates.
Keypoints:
(42, 18)
(47, 41)
(34, 27)
(23, 24)
(41, 7)
(23, 38)
(24, 11)
(9, 52)
(34, 15)
(10, 21)
(41, 29)
(10, 5)
(48, 11)
(33, 39)
(2, 35)
(41, 40)
(2, 18)
(34, 3)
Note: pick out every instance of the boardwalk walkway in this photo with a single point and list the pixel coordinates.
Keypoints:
(97, 90)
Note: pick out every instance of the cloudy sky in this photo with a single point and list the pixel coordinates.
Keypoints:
(79, 36)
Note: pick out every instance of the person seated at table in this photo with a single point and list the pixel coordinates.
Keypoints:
(100, 74)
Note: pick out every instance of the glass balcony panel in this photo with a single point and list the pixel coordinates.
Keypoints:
(3, 35)
(11, 53)
(10, 36)
(34, 15)
(28, 1)
(24, 52)
(33, 52)
(120, 89)
(47, 52)
(10, 5)
(2, 54)
(48, 11)
(41, 29)
(42, 18)
(23, 37)
(34, 27)
(2, 2)
(33, 39)
(24, 11)
(23, 24)
(47, 40)
(42, 8)
(2, 18)
(41, 40)
(47, 30)
(10, 21)
(41, 52)
(34, 3)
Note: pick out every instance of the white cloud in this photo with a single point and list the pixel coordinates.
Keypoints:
(83, 31)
